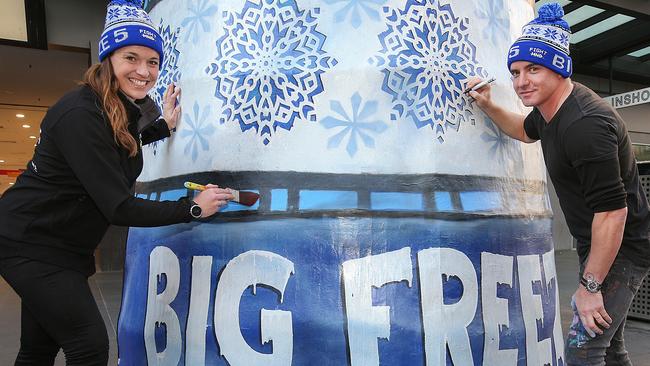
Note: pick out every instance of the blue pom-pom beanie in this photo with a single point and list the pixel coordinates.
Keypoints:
(545, 41)
(127, 24)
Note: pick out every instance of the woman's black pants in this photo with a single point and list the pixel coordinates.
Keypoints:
(58, 312)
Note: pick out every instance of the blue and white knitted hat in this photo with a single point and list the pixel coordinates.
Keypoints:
(127, 24)
(545, 41)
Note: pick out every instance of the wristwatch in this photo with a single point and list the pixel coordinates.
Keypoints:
(590, 283)
(195, 210)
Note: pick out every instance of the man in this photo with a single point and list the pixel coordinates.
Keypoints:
(589, 158)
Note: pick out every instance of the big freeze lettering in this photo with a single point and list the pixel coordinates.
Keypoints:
(444, 325)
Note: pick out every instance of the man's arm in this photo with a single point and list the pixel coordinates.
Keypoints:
(512, 124)
(606, 236)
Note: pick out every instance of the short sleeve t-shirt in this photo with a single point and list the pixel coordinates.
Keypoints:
(589, 158)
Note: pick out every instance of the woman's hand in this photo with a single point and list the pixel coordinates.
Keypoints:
(212, 199)
(171, 106)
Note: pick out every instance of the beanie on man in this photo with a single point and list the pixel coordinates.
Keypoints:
(545, 41)
(127, 24)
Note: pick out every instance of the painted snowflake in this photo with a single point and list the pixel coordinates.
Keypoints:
(426, 55)
(354, 8)
(169, 72)
(495, 14)
(269, 65)
(355, 125)
(502, 147)
(197, 128)
(200, 14)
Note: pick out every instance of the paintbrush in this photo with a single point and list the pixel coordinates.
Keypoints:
(245, 198)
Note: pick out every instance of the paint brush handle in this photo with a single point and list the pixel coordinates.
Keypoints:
(200, 187)
(194, 186)
(245, 197)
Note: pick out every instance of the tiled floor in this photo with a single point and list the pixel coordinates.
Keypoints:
(107, 288)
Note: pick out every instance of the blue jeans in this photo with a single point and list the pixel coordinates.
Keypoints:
(619, 288)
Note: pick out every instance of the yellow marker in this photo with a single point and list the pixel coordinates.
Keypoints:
(194, 186)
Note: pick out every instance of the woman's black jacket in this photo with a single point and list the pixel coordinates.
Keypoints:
(78, 182)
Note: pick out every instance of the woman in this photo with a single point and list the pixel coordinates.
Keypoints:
(79, 181)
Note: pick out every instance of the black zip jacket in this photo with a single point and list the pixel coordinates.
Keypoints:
(78, 182)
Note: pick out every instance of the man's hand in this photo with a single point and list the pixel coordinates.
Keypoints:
(171, 107)
(509, 122)
(480, 96)
(591, 310)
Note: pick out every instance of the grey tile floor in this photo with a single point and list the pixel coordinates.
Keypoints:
(107, 289)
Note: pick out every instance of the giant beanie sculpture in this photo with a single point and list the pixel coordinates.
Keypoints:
(396, 225)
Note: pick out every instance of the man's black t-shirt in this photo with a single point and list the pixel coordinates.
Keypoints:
(589, 158)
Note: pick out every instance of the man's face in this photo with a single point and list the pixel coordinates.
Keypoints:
(534, 84)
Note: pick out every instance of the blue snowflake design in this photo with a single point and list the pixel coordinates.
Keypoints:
(169, 72)
(354, 8)
(269, 65)
(547, 33)
(113, 13)
(199, 18)
(502, 147)
(131, 13)
(551, 33)
(496, 16)
(196, 127)
(426, 56)
(354, 126)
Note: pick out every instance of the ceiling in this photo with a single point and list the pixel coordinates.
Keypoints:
(612, 33)
(32, 80)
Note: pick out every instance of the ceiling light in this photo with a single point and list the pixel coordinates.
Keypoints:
(2, 161)
(20, 115)
(32, 137)
(26, 126)
(11, 183)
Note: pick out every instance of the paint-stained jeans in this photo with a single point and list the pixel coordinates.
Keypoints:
(619, 288)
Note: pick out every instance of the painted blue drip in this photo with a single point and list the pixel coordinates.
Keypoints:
(173, 195)
(443, 201)
(327, 200)
(279, 199)
(232, 206)
(480, 201)
(396, 201)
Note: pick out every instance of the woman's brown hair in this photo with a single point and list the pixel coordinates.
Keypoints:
(102, 80)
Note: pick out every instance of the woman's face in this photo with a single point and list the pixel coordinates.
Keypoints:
(136, 69)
